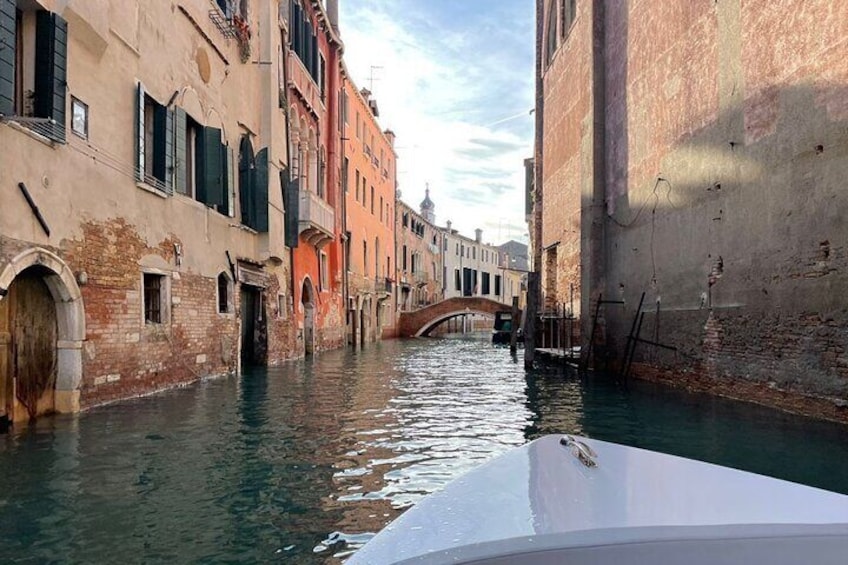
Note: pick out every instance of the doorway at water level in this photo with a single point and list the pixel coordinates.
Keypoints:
(28, 339)
(307, 300)
(253, 328)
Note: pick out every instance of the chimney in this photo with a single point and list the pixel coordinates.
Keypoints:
(449, 226)
(478, 235)
(391, 136)
(333, 14)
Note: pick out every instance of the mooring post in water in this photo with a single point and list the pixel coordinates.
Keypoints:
(530, 319)
(513, 330)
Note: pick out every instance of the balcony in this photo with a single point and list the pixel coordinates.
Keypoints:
(383, 285)
(317, 220)
(304, 86)
(421, 278)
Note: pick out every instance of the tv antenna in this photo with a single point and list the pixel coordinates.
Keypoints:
(372, 78)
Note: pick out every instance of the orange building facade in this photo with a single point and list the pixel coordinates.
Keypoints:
(311, 92)
(369, 175)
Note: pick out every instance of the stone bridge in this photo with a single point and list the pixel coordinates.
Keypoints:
(421, 322)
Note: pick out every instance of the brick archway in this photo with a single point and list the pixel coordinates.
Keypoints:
(421, 322)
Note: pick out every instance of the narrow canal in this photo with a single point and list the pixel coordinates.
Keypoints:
(303, 462)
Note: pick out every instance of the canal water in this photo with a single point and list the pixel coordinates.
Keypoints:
(303, 463)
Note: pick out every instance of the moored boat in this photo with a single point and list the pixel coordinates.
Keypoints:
(565, 499)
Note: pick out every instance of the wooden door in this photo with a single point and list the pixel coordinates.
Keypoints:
(30, 349)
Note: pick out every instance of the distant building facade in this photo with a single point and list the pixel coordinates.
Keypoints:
(370, 172)
(311, 92)
(471, 267)
(419, 258)
(142, 226)
(707, 172)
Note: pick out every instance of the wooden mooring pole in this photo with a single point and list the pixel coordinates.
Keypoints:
(515, 321)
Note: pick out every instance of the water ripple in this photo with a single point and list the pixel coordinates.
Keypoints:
(305, 462)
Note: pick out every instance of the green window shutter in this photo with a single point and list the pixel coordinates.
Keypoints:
(51, 62)
(7, 57)
(210, 188)
(180, 151)
(160, 144)
(260, 191)
(231, 183)
(169, 151)
(139, 133)
(246, 171)
(291, 204)
(224, 208)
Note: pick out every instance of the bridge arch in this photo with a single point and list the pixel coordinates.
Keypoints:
(424, 331)
(420, 322)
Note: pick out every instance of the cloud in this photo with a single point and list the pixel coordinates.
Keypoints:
(454, 80)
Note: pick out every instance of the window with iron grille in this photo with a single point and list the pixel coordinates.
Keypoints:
(154, 290)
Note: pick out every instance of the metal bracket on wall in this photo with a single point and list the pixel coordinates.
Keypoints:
(34, 208)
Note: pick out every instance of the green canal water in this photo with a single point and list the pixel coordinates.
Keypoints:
(304, 462)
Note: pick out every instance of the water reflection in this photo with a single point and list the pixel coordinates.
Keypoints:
(304, 462)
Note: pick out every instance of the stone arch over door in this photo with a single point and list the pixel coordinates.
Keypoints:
(70, 319)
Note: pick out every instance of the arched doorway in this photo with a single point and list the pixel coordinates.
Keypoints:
(365, 321)
(307, 299)
(42, 327)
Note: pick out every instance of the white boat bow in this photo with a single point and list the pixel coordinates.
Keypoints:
(563, 499)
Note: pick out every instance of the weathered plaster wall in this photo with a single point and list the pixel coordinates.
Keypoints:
(725, 181)
(567, 158)
(105, 226)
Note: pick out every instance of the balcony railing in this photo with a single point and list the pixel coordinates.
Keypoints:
(383, 284)
(317, 219)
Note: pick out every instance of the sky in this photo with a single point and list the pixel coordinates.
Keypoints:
(454, 80)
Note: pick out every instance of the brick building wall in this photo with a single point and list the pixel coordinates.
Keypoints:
(724, 174)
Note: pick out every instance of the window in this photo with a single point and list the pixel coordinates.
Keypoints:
(457, 250)
(405, 220)
(381, 209)
(154, 141)
(188, 138)
(79, 117)
(497, 285)
(282, 306)
(357, 125)
(345, 173)
(357, 185)
(323, 274)
(457, 279)
(364, 257)
(568, 11)
(403, 258)
(551, 36)
(155, 291)
(474, 253)
(305, 42)
(485, 284)
(33, 67)
(225, 294)
(364, 182)
(372, 200)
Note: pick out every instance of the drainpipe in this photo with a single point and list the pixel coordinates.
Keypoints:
(345, 244)
(533, 278)
(593, 220)
(287, 119)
